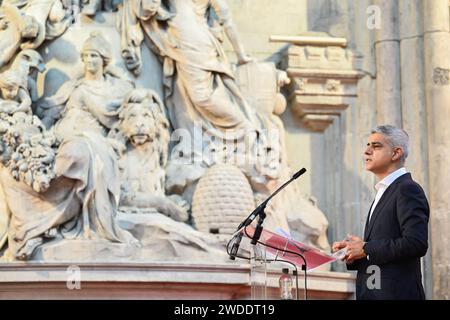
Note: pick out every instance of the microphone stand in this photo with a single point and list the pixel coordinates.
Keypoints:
(259, 211)
(259, 228)
(263, 205)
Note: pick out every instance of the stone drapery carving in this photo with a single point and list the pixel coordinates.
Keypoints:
(201, 94)
(82, 200)
(51, 17)
(196, 68)
(16, 30)
(108, 158)
(193, 60)
(90, 103)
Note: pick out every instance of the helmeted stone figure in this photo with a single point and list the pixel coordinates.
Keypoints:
(81, 201)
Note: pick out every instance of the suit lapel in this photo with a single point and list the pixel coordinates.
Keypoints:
(384, 199)
(366, 226)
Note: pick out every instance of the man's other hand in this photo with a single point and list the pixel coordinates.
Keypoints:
(355, 249)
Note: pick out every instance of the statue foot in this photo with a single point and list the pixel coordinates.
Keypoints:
(29, 248)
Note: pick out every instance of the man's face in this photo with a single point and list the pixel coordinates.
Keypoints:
(379, 155)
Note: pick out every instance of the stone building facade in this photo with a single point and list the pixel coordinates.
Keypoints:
(352, 65)
(403, 79)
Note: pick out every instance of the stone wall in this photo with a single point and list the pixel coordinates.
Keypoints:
(405, 59)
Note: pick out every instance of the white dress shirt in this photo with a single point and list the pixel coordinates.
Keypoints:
(384, 184)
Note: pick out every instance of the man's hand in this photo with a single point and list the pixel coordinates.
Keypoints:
(338, 245)
(355, 249)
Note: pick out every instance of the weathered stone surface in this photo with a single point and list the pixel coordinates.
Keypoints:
(437, 89)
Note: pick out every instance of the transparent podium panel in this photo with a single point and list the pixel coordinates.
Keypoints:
(258, 272)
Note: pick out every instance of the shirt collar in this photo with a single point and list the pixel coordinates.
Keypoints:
(388, 180)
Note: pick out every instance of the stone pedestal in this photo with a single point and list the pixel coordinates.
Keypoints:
(157, 280)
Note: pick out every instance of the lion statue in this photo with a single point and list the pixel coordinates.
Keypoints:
(143, 133)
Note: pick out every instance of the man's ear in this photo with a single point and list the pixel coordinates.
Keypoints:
(397, 154)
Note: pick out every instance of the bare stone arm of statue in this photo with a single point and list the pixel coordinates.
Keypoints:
(221, 9)
(132, 34)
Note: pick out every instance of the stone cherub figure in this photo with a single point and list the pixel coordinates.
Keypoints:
(14, 96)
(143, 129)
(18, 83)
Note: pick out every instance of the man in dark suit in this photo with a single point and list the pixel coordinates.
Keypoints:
(396, 230)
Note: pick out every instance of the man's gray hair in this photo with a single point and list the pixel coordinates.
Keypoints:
(397, 138)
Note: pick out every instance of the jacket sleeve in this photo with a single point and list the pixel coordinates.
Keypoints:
(412, 214)
(355, 265)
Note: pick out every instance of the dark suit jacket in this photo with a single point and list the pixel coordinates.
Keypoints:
(396, 238)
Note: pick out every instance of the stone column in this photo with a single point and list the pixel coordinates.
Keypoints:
(413, 103)
(387, 51)
(437, 86)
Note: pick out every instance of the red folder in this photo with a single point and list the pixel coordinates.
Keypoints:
(288, 249)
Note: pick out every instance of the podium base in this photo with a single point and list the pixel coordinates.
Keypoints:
(157, 280)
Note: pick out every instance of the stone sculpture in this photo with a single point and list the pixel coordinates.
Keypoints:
(143, 130)
(82, 199)
(16, 31)
(27, 65)
(91, 102)
(95, 162)
(14, 95)
(91, 7)
(201, 94)
(18, 81)
(214, 206)
(52, 18)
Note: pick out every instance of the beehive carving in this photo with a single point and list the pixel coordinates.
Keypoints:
(222, 199)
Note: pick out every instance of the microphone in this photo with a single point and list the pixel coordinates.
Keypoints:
(263, 205)
(235, 247)
(299, 173)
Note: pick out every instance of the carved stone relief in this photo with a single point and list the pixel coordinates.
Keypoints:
(100, 155)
